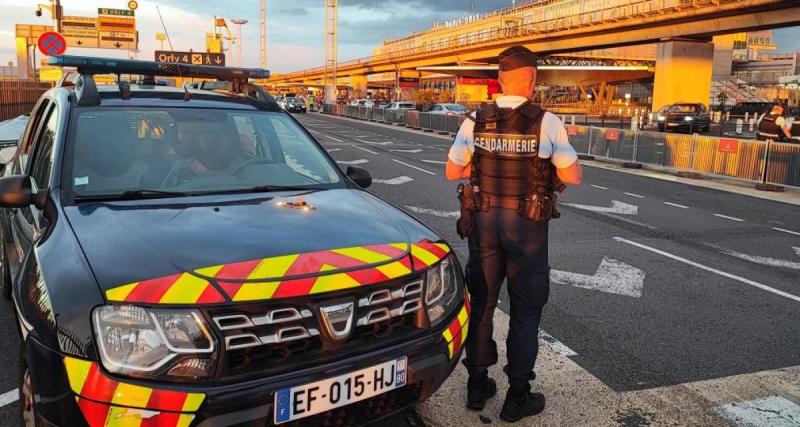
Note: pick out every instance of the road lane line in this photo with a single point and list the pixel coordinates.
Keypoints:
(373, 143)
(364, 149)
(331, 150)
(783, 230)
(314, 132)
(729, 217)
(676, 205)
(434, 212)
(414, 151)
(352, 162)
(9, 397)
(414, 167)
(634, 195)
(767, 411)
(555, 344)
(337, 140)
(394, 181)
(710, 269)
(436, 162)
(600, 187)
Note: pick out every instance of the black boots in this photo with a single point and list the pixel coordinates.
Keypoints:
(517, 406)
(479, 391)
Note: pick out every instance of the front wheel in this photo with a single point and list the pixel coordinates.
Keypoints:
(27, 411)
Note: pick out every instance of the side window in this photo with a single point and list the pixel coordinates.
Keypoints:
(248, 138)
(33, 124)
(42, 158)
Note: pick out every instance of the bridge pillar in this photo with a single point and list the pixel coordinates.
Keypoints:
(359, 84)
(683, 72)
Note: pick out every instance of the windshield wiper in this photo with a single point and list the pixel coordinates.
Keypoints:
(133, 195)
(267, 188)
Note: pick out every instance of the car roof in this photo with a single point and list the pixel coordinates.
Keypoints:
(166, 96)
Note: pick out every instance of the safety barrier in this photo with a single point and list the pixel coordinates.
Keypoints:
(755, 161)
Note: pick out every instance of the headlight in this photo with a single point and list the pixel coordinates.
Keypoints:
(662, 118)
(151, 343)
(688, 118)
(441, 290)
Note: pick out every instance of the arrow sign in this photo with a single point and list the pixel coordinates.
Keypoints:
(394, 181)
(772, 262)
(617, 207)
(613, 277)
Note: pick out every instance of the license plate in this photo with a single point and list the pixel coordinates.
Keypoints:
(310, 399)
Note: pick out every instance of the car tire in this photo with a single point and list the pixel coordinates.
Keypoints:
(27, 411)
(5, 280)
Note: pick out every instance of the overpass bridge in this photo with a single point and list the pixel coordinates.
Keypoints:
(683, 30)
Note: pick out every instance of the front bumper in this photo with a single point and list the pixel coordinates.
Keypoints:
(76, 392)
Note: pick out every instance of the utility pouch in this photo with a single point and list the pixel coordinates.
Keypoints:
(538, 207)
(466, 222)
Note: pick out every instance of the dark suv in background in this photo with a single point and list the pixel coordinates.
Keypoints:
(688, 118)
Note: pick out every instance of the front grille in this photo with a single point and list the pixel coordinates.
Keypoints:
(366, 411)
(290, 334)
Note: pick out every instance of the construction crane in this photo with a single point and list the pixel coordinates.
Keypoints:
(262, 55)
(331, 50)
(214, 41)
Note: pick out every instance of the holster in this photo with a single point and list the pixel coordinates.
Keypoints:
(467, 199)
(538, 207)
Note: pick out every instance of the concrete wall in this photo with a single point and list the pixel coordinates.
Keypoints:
(683, 73)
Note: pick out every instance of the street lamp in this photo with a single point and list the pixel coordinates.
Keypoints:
(239, 23)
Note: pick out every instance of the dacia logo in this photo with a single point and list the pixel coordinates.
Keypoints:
(337, 320)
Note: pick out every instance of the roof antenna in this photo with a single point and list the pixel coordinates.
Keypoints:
(186, 95)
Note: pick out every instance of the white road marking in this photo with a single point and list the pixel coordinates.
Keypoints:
(769, 411)
(436, 162)
(364, 149)
(729, 217)
(772, 262)
(617, 207)
(314, 132)
(613, 277)
(331, 150)
(414, 151)
(783, 230)
(373, 143)
(330, 137)
(600, 187)
(676, 205)
(394, 181)
(9, 397)
(711, 269)
(414, 167)
(434, 212)
(555, 344)
(634, 195)
(352, 162)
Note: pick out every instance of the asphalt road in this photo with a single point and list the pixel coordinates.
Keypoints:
(659, 283)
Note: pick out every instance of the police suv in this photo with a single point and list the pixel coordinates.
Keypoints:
(190, 257)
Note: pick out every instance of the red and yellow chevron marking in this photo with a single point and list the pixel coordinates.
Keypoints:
(305, 274)
(87, 382)
(456, 332)
(103, 415)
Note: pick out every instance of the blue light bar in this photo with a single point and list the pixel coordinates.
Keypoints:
(91, 65)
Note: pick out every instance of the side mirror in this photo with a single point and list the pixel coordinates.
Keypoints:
(15, 191)
(359, 176)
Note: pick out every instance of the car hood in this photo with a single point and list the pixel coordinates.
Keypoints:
(248, 247)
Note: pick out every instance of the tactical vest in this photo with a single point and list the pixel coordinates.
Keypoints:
(507, 169)
(768, 129)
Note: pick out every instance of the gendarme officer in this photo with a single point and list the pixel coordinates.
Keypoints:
(773, 126)
(516, 156)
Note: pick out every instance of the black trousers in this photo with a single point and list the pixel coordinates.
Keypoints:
(505, 245)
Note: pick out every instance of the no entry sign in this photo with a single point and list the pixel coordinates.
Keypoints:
(52, 43)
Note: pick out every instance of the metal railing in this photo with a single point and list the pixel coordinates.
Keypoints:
(749, 160)
(18, 97)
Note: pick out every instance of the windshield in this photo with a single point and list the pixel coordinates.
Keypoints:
(191, 150)
(685, 108)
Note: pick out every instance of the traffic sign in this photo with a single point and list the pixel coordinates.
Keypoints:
(115, 12)
(118, 40)
(132, 5)
(31, 33)
(80, 31)
(194, 58)
(116, 24)
(52, 43)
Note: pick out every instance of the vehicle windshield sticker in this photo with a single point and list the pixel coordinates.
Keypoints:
(81, 180)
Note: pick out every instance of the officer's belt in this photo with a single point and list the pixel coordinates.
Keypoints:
(505, 202)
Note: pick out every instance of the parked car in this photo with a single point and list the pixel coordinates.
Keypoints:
(688, 118)
(196, 257)
(401, 105)
(448, 109)
(296, 105)
(10, 133)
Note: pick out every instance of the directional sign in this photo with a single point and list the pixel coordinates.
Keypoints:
(80, 31)
(32, 32)
(52, 43)
(613, 277)
(115, 40)
(115, 12)
(116, 24)
(195, 58)
(617, 207)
